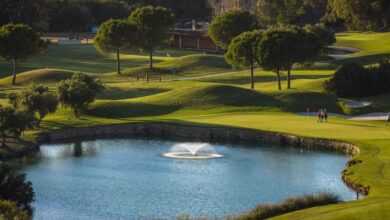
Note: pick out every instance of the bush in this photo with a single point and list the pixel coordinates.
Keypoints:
(352, 80)
(9, 210)
(78, 92)
(37, 99)
(289, 205)
(15, 188)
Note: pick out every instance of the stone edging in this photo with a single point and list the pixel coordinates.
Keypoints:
(206, 134)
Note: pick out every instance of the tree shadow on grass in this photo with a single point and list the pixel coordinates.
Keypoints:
(242, 80)
(120, 93)
(130, 109)
(300, 101)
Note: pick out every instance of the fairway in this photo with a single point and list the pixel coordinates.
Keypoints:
(206, 91)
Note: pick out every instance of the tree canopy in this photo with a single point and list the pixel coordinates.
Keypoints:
(115, 36)
(369, 15)
(224, 28)
(18, 42)
(14, 187)
(282, 47)
(242, 51)
(153, 26)
(324, 34)
(39, 99)
(78, 92)
(13, 122)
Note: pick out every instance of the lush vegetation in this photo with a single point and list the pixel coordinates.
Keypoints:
(289, 205)
(224, 28)
(203, 90)
(19, 42)
(221, 98)
(355, 81)
(115, 36)
(80, 15)
(16, 194)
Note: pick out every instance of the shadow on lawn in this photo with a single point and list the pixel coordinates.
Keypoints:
(242, 80)
(120, 93)
(129, 109)
(300, 101)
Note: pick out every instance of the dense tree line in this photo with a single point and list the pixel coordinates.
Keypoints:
(353, 80)
(80, 15)
(16, 195)
(363, 15)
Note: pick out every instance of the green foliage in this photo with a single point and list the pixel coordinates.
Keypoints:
(9, 211)
(153, 26)
(242, 51)
(78, 92)
(197, 9)
(325, 35)
(282, 47)
(14, 122)
(289, 205)
(366, 15)
(280, 11)
(14, 187)
(19, 42)
(38, 99)
(115, 36)
(32, 13)
(13, 99)
(353, 80)
(224, 28)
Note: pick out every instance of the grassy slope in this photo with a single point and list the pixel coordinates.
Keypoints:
(373, 46)
(224, 99)
(85, 58)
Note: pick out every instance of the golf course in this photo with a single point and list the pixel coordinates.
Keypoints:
(206, 91)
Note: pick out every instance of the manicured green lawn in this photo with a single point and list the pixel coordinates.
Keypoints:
(207, 92)
(373, 46)
(85, 58)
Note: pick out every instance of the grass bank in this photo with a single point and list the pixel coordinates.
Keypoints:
(208, 93)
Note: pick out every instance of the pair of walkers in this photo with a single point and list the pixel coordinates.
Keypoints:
(322, 115)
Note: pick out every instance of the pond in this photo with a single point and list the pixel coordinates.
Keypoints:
(132, 179)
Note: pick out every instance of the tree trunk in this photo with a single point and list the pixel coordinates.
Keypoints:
(289, 78)
(39, 121)
(118, 62)
(252, 78)
(3, 140)
(14, 76)
(150, 64)
(279, 81)
(76, 113)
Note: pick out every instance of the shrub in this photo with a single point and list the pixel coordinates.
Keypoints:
(15, 188)
(9, 210)
(38, 99)
(289, 205)
(14, 122)
(78, 92)
(352, 80)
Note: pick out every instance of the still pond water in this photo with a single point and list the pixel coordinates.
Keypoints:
(130, 179)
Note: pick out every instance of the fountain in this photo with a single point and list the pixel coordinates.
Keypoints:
(192, 151)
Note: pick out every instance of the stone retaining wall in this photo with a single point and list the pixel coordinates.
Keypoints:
(161, 130)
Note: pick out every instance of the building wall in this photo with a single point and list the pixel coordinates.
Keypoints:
(193, 42)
